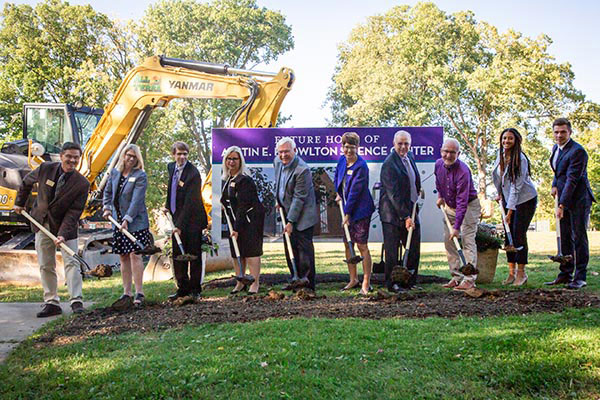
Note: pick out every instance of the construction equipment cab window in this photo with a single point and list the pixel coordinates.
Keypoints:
(49, 126)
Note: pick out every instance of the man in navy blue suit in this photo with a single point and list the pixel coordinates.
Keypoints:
(575, 197)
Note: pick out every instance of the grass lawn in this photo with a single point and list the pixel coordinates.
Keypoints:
(530, 356)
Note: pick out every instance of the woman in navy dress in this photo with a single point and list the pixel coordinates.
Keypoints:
(125, 200)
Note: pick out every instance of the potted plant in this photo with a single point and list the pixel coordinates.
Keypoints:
(489, 242)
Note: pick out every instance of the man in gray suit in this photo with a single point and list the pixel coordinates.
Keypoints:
(295, 193)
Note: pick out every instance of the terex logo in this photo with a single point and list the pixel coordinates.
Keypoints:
(185, 85)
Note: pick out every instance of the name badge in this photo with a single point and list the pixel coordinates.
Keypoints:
(232, 184)
(49, 183)
(132, 179)
(350, 172)
(180, 183)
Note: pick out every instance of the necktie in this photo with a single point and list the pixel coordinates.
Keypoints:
(412, 179)
(60, 184)
(174, 183)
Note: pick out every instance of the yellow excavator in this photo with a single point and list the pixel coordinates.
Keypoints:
(103, 133)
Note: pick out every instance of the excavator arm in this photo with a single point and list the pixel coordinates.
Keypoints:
(159, 80)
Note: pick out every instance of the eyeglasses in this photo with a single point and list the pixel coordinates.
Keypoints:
(130, 156)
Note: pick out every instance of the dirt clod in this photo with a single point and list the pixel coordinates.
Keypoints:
(182, 301)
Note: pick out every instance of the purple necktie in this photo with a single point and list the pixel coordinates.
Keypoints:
(174, 183)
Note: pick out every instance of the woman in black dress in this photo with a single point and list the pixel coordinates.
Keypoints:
(240, 200)
(125, 199)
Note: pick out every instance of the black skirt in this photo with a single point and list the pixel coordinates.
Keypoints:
(122, 244)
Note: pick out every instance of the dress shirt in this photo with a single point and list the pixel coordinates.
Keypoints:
(455, 185)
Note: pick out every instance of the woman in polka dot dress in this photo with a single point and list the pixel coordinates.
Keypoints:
(125, 200)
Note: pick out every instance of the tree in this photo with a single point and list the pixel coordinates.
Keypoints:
(233, 32)
(421, 66)
(54, 52)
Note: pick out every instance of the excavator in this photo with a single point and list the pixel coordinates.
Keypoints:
(103, 133)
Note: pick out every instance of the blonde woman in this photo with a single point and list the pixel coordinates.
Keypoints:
(125, 200)
(241, 203)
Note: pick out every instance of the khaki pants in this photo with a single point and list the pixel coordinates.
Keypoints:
(46, 252)
(468, 230)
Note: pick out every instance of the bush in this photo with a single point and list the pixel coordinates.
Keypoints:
(487, 237)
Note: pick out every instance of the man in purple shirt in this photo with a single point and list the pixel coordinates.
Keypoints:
(456, 193)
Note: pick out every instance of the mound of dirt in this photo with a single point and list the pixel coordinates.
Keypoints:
(413, 304)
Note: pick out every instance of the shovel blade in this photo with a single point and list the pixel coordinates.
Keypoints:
(561, 259)
(186, 257)
(245, 279)
(402, 275)
(354, 260)
(300, 283)
(468, 269)
(149, 250)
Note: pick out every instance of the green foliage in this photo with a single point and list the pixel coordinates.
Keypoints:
(487, 238)
(421, 66)
(54, 52)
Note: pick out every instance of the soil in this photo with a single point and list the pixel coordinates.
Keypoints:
(307, 304)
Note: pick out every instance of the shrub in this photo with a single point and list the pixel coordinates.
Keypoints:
(487, 237)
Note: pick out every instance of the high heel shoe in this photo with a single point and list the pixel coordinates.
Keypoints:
(520, 282)
(509, 279)
(351, 285)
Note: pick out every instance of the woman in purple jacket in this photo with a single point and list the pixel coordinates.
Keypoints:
(352, 187)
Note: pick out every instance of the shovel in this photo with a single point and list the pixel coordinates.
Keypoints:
(296, 282)
(467, 268)
(148, 250)
(182, 256)
(559, 258)
(354, 259)
(511, 247)
(243, 279)
(403, 276)
(82, 264)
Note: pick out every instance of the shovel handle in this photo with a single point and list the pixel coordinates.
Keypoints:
(233, 240)
(46, 232)
(124, 231)
(505, 224)
(346, 230)
(177, 237)
(286, 236)
(455, 240)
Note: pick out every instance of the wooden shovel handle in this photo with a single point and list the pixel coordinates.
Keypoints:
(47, 232)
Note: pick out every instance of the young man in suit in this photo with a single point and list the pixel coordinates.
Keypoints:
(184, 202)
(295, 193)
(575, 197)
(62, 193)
(400, 189)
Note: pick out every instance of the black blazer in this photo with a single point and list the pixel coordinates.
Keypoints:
(190, 215)
(394, 202)
(570, 175)
(64, 210)
(247, 208)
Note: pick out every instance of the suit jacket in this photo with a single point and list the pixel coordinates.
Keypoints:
(61, 212)
(570, 175)
(246, 206)
(394, 202)
(190, 215)
(359, 203)
(132, 199)
(299, 201)
(517, 192)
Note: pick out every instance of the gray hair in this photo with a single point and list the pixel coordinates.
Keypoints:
(233, 149)
(402, 133)
(138, 154)
(285, 140)
(453, 141)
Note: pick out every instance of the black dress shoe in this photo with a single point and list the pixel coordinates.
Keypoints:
(176, 295)
(578, 284)
(77, 307)
(49, 310)
(558, 281)
(196, 294)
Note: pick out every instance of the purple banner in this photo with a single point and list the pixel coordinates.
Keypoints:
(324, 144)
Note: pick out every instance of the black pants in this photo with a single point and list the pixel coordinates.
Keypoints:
(519, 223)
(574, 241)
(304, 253)
(393, 236)
(188, 282)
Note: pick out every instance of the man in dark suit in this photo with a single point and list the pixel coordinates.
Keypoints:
(295, 193)
(61, 195)
(400, 189)
(184, 202)
(575, 197)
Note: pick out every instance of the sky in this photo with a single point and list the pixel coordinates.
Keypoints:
(319, 26)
